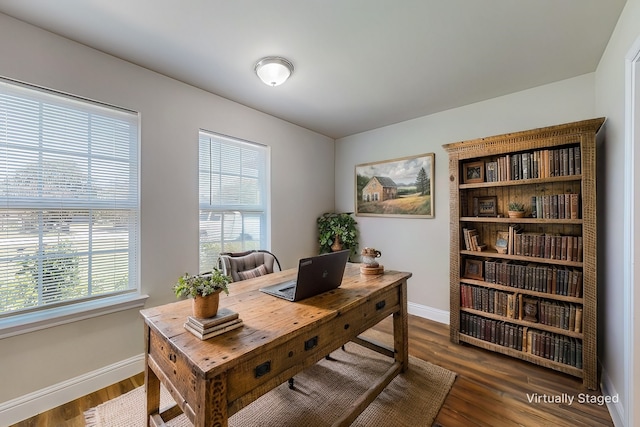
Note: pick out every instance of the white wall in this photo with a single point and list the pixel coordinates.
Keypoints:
(615, 343)
(171, 113)
(422, 245)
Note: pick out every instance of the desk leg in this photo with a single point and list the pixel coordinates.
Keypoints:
(151, 384)
(401, 330)
(152, 388)
(212, 409)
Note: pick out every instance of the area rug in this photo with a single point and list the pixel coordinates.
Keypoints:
(321, 393)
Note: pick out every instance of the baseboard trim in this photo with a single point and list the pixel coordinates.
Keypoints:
(430, 313)
(616, 410)
(31, 404)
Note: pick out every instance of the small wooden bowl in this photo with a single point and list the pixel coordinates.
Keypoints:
(364, 269)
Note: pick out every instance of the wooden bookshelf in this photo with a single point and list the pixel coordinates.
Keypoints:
(548, 272)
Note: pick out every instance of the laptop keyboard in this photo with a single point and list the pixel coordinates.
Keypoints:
(288, 291)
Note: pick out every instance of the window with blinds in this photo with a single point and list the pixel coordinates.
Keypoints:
(232, 193)
(69, 205)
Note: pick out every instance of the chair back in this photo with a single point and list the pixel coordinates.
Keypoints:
(246, 265)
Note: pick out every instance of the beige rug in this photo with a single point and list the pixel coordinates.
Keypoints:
(321, 393)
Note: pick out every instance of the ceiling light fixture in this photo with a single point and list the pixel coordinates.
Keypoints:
(274, 70)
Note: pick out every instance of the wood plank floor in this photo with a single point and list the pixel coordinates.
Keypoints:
(490, 389)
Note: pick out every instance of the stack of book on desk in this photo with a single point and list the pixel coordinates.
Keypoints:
(226, 320)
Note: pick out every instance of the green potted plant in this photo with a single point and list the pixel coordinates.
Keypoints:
(337, 231)
(204, 290)
(516, 210)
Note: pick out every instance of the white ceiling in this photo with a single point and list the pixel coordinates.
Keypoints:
(359, 64)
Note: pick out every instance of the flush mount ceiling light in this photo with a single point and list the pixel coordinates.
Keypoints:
(274, 70)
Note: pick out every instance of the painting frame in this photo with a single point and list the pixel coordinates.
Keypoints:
(487, 206)
(402, 187)
(473, 269)
(473, 172)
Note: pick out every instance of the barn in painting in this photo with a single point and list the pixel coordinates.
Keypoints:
(379, 189)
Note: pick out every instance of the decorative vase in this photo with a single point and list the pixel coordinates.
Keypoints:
(337, 244)
(516, 214)
(369, 256)
(207, 306)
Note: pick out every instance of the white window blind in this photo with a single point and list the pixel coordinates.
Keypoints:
(232, 193)
(69, 205)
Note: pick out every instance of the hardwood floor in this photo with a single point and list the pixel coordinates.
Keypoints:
(72, 414)
(490, 389)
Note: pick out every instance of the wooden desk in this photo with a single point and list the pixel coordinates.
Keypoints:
(213, 379)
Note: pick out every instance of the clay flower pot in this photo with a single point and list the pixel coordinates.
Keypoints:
(207, 306)
(210, 284)
(337, 244)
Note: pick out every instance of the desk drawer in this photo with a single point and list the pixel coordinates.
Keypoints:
(357, 320)
(245, 377)
(291, 357)
(175, 366)
(353, 322)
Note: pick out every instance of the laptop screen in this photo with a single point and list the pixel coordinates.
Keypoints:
(316, 275)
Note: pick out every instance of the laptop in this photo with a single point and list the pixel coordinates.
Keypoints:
(316, 275)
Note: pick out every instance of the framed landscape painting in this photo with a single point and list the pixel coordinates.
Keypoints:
(396, 188)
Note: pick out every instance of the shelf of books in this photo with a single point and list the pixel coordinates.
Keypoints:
(523, 245)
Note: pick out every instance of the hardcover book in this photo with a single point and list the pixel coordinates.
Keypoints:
(214, 331)
(223, 315)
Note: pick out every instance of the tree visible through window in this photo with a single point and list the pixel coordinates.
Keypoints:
(69, 204)
(232, 193)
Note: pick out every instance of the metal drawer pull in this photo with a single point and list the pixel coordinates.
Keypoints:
(380, 304)
(263, 369)
(173, 358)
(310, 343)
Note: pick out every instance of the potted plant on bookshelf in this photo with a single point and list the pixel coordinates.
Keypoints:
(204, 289)
(516, 210)
(337, 231)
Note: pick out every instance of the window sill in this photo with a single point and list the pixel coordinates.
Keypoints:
(30, 322)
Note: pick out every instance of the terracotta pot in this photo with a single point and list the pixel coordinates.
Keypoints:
(206, 306)
(516, 214)
(337, 245)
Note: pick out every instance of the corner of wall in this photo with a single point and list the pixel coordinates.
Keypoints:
(616, 409)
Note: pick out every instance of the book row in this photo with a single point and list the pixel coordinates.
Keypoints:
(560, 315)
(536, 164)
(488, 300)
(472, 240)
(515, 241)
(535, 277)
(550, 206)
(493, 331)
(556, 206)
(556, 347)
